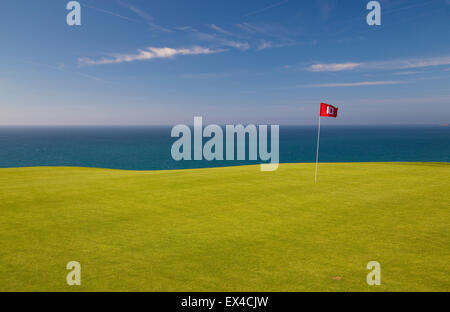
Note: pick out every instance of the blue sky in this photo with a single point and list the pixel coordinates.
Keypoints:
(136, 62)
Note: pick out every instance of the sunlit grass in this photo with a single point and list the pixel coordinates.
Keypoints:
(227, 229)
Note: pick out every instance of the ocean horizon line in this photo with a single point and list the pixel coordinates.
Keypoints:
(234, 166)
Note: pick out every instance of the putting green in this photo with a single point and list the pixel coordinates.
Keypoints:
(227, 229)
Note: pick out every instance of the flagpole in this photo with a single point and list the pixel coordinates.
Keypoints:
(317, 154)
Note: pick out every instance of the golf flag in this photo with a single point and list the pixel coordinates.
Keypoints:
(327, 110)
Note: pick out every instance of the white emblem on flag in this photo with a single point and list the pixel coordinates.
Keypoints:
(330, 110)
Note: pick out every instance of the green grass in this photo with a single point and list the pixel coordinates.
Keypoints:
(227, 229)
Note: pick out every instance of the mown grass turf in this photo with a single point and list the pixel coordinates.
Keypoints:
(227, 229)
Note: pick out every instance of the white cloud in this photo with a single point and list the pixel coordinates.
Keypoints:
(147, 54)
(417, 63)
(206, 37)
(185, 28)
(246, 27)
(404, 73)
(417, 100)
(271, 35)
(241, 45)
(205, 75)
(220, 30)
(351, 84)
(384, 65)
(334, 67)
(264, 45)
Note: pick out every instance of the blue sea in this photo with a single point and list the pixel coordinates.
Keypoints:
(148, 148)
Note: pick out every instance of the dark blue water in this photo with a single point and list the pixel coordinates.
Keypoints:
(144, 148)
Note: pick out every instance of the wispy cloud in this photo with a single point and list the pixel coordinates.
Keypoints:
(145, 16)
(274, 5)
(351, 84)
(246, 27)
(334, 67)
(220, 30)
(423, 100)
(384, 65)
(249, 36)
(414, 63)
(406, 73)
(147, 54)
(219, 40)
(274, 30)
(408, 7)
(271, 35)
(185, 28)
(111, 13)
(241, 45)
(205, 75)
(263, 44)
(215, 75)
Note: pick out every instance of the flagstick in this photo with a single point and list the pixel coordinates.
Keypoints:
(317, 155)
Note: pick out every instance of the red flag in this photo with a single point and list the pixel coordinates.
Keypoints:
(327, 110)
